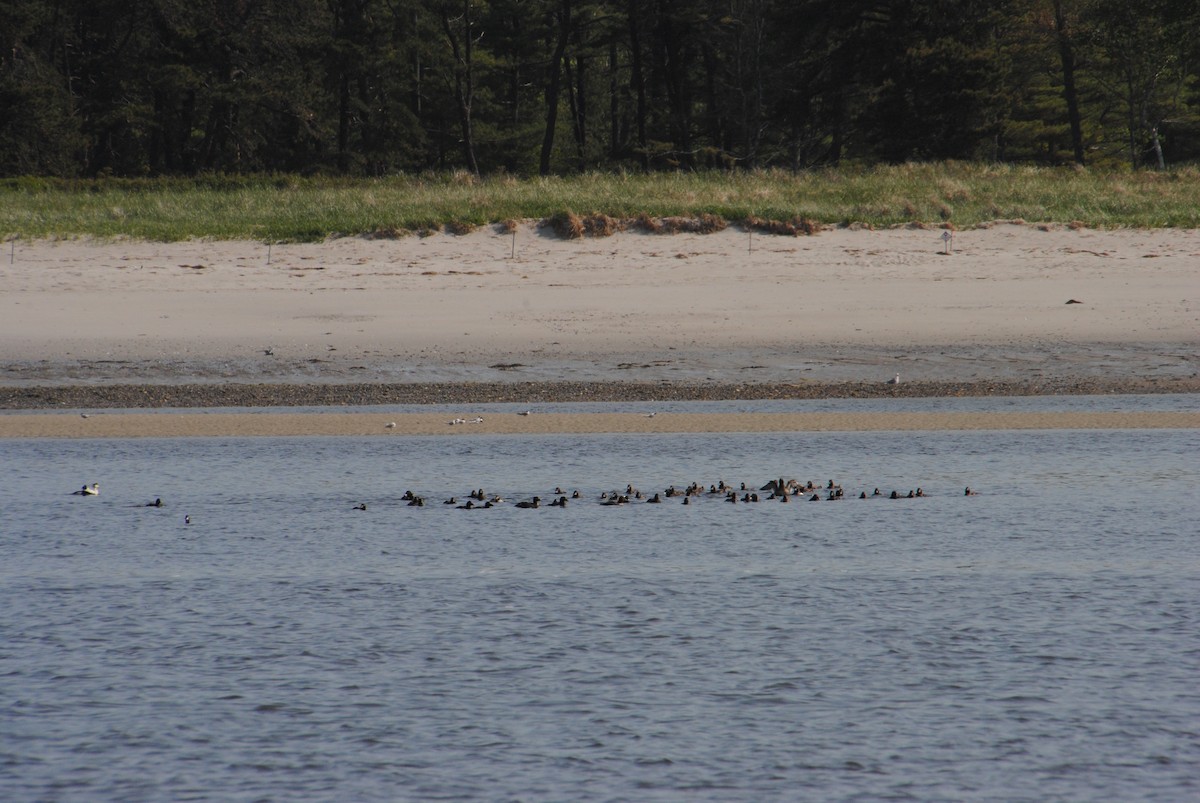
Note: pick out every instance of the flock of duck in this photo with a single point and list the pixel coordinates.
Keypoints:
(778, 490)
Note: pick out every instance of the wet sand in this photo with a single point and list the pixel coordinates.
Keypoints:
(358, 424)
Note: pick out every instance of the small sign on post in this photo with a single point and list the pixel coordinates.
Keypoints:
(948, 239)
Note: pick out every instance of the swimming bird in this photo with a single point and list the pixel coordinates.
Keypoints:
(968, 492)
(155, 503)
(187, 519)
(361, 506)
(532, 503)
(94, 490)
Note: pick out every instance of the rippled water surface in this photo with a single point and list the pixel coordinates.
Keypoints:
(1038, 641)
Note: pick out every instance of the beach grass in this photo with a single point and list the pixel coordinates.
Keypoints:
(304, 209)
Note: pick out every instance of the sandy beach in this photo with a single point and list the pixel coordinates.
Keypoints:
(838, 313)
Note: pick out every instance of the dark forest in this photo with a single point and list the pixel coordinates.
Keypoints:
(527, 87)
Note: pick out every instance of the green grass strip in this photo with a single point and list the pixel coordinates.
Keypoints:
(296, 209)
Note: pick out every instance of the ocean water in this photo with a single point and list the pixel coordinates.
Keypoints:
(1038, 641)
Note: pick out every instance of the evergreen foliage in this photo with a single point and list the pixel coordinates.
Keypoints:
(134, 88)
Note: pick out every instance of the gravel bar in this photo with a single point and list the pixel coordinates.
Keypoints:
(200, 395)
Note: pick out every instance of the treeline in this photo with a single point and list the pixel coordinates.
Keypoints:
(372, 87)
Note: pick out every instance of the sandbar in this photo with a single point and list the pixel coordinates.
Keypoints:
(375, 424)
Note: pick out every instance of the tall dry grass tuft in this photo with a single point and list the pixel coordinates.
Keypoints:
(566, 225)
(459, 227)
(794, 226)
(601, 225)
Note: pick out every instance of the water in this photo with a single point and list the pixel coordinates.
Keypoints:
(1038, 641)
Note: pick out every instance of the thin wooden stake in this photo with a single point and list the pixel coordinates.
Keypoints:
(268, 253)
(750, 241)
(514, 245)
(12, 251)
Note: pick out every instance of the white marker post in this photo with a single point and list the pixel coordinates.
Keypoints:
(948, 239)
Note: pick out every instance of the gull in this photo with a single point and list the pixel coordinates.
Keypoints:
(650, 415)
(457, 421)
(270, 352)
(476, 420)
(390, 425)
(86, 491)
(895, 380)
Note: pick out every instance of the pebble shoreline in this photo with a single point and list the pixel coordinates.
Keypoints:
(200, 395)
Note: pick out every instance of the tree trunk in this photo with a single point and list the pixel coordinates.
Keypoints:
(1066, 53)
(464, 81)
(637, 78)
(554, 85)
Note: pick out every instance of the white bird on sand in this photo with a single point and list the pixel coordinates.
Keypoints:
(895, 380)
(390, 425)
